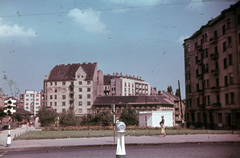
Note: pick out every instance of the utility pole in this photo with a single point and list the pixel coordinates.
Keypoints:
(113, 111)
(180, 101)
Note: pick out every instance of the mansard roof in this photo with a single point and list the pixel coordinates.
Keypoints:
(123, 100)
(67, 72)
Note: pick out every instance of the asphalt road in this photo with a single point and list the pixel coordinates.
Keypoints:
(212, 150)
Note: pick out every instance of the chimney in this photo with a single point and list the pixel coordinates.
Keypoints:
(159, 92)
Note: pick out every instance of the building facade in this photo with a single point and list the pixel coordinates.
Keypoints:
(138, 103)
(120, 85)
(75, 85)
(212, 72)
(30, 101)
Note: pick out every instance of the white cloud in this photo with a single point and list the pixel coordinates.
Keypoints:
(195, 5)
(89, 20)
(15, 30)
(182, 38)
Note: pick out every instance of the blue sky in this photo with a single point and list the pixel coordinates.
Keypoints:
(135, 37)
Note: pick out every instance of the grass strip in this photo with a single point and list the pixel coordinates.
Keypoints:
(104, 133)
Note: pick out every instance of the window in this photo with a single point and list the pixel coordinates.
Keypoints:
(230, 59)
(226, 80)
(63, 96)
(196, 59)
(88, 82)
(197, 101)
(63, 103)
(55, 96)
(232, 98)
(50, 96)
(223, 29)
(215, 33)
(208, 100)
(80, 89)
(80, 96)
(55, 103)
(197, 73)
(55, 83)
(239, 38)
(80, 103)
(218, 98)
(217, 82)
(55, 90)
(206, 68)
(230, 78)
(63, 83)
(238, 19)
(89, 89)
(196, 46)
(216, 49)
(206, 37)
(89, 96)
(224, 46)
(226, 99)
(206, 52)
(50, 103)
(88, 103)
(63, 110)
(80, 110)
(225, 63)
(80, 82)
(228, 23)
(230, 41)
(219, 117)
(51, 83)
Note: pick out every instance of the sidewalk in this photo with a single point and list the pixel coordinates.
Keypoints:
(101, 141)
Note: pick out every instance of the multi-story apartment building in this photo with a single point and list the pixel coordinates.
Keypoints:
(179, 106)
(30, 101)
(120, 85)
(75, 85)
(212, 69)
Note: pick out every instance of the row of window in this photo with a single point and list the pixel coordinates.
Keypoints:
(72, 83)
(228, 80)
(64, 103)
(211, 117)
(229, 99)
(71, 96)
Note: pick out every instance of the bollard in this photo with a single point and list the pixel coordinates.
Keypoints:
(120, 130)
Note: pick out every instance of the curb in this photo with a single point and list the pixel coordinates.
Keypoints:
(105, 145)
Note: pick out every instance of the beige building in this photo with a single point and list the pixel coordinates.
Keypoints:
(125, 85)
(212, 69)
(74, 85)
(31, 101)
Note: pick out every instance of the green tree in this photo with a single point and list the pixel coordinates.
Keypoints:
(2, 114)
(17, 116)
(68, 118)
(104, 118)
(47, 117)
(129, 116)
(169, 89)
(87, 120)
(177, 93)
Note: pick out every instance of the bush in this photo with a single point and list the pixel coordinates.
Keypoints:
(47, 117)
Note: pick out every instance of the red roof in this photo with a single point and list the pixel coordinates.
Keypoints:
(67, 72)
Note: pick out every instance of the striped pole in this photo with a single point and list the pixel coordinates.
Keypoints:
(121, 130)
(9, 135)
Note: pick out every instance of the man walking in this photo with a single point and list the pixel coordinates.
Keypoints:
(162, 127)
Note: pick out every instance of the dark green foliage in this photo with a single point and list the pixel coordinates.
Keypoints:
(177, 93)
(2, 113)
(47, 117)
(129, 116)
(17, 116)
(100, 119)
(169, 89)
(68, 118)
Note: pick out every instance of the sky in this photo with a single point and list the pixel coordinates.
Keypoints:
(135, 37)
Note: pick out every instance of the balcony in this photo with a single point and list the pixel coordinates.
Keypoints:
(200, 76)
(199, 48)
(200, 62)
(216, 104)
(201, 91)
(213, 40)
(201, 106)
(216, 89)
(215, 72)
(214, 56)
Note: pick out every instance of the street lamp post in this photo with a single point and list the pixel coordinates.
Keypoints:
(9, 109)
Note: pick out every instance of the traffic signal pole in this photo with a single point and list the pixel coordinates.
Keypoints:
(9, 134)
